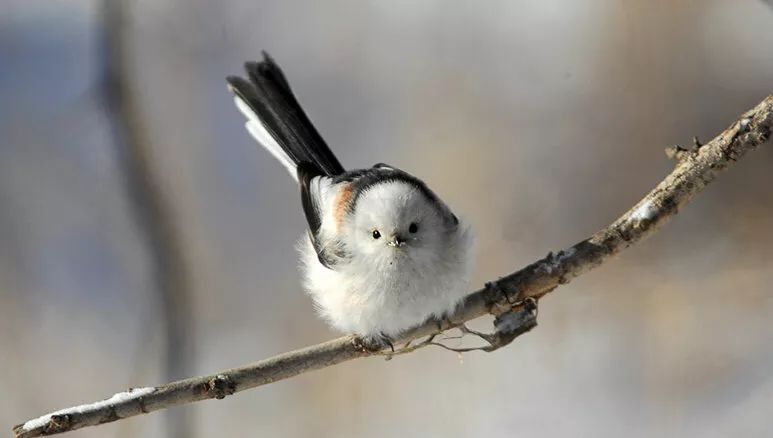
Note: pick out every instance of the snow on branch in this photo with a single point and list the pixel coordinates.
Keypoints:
(511, 299)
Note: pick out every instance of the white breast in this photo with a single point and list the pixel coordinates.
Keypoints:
(372, 299)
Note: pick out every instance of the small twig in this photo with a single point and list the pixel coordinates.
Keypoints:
(508, 326)
(678, 153)
(408, 348)
(687, 179)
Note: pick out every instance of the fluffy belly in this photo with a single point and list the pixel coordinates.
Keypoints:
(373, 301)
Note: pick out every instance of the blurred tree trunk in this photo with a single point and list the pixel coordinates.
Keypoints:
(154, 213)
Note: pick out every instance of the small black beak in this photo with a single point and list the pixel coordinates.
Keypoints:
(397, 241)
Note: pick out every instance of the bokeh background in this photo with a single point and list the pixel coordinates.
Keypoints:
(144, 236)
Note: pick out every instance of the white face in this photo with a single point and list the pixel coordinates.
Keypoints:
(395, 221)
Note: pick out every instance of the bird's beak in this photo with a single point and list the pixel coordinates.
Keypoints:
(397, 241)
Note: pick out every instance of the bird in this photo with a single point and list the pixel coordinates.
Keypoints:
(382, 253)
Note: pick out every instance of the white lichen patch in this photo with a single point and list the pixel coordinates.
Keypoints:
(121, 397)
(644, 212)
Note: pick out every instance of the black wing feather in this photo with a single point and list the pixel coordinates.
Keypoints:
(306, 173)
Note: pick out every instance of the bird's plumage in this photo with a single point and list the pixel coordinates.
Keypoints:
(383, 252)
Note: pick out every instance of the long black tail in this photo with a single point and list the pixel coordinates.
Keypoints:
(275, 118)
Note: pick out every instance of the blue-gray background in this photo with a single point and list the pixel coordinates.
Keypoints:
(539, 121)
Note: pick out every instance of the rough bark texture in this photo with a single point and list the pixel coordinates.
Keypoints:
(511, 299)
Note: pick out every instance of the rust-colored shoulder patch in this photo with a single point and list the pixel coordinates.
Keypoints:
(342, 204)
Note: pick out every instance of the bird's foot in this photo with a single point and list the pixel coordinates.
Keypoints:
(379, 342)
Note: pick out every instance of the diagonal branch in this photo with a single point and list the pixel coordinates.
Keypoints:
(510, 299)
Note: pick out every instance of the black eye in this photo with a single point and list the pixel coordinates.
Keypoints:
(413, 228)
(376, 234)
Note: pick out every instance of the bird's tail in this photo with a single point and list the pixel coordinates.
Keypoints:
(277, 121)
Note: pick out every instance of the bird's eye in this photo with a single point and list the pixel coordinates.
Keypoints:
(413, 228)
(376, 234)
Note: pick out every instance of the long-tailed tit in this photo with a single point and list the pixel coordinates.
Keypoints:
(383, 253)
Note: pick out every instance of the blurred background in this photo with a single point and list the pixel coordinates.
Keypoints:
(145, 237)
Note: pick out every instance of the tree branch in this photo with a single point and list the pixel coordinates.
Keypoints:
(510, 299)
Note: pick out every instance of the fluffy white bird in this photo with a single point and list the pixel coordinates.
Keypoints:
(383, 253)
